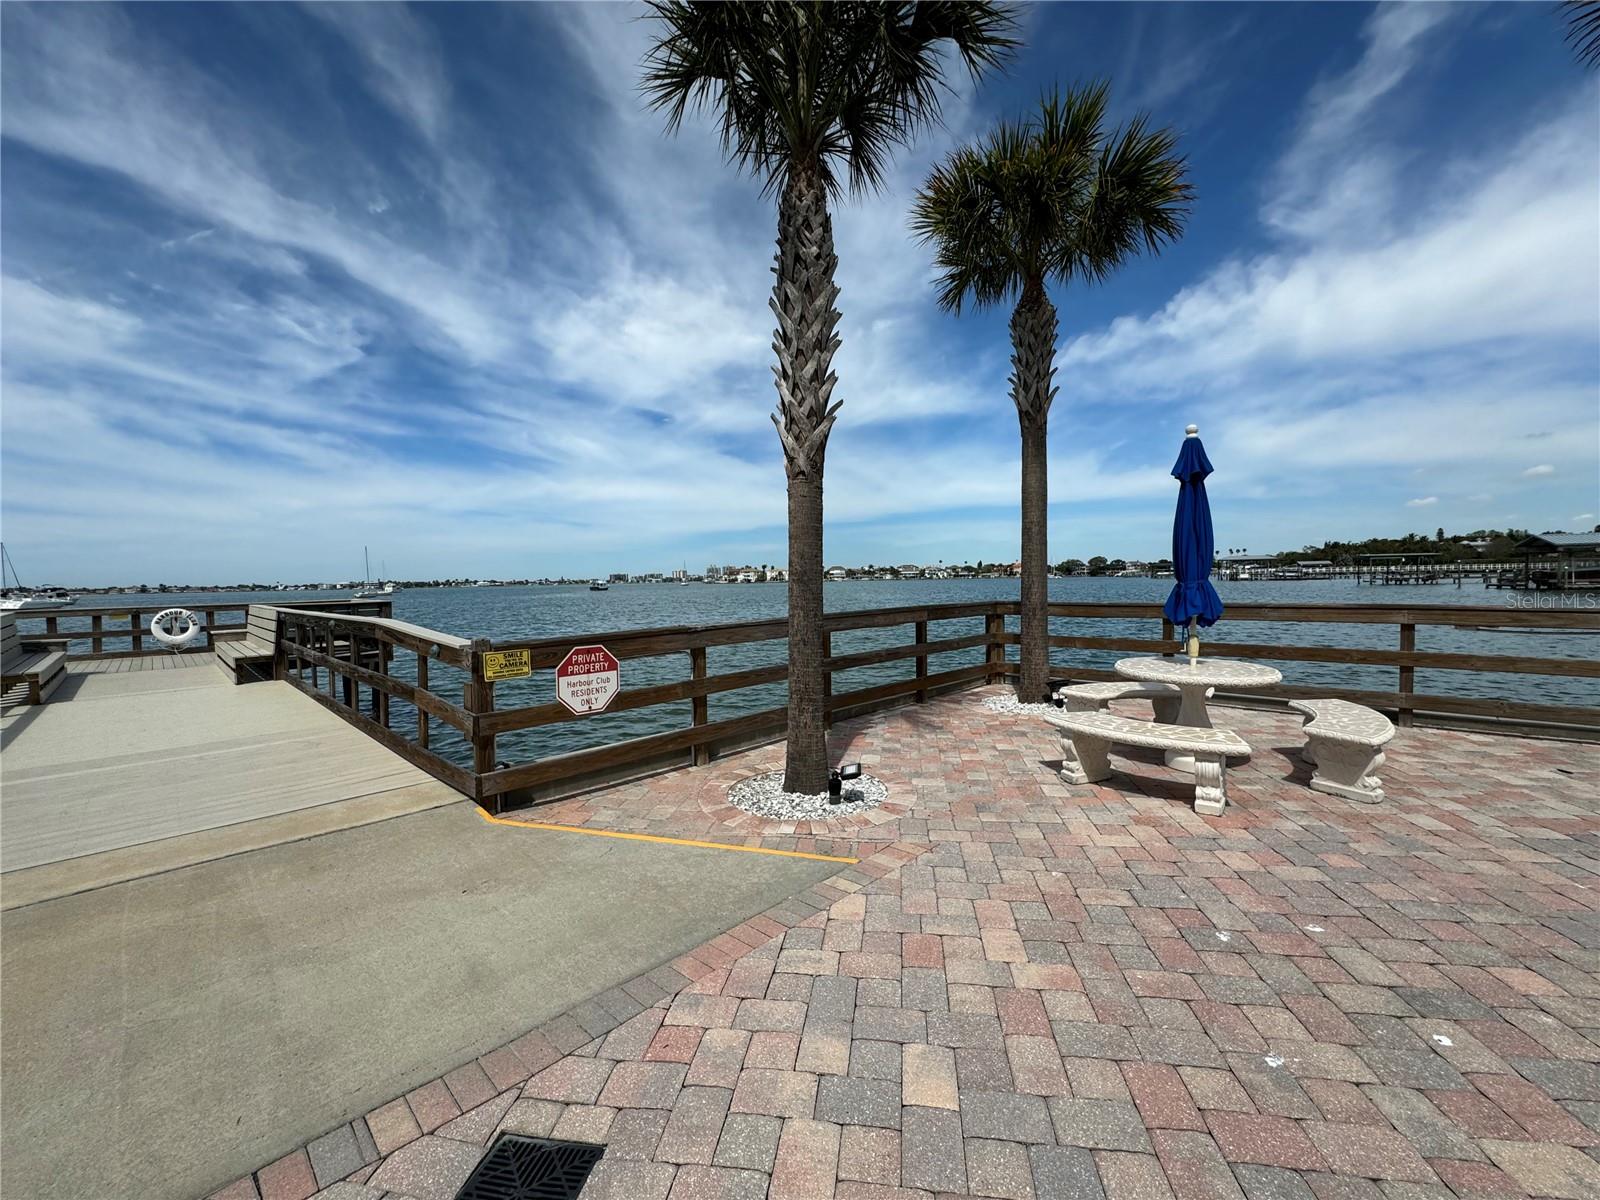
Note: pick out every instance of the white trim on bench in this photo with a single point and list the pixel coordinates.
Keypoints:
(1343, 746)
(1087, 738)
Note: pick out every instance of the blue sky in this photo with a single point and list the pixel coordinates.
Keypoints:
(282, 281)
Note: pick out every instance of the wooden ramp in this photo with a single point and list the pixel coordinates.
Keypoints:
(126, 758)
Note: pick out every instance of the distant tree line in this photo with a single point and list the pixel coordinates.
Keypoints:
(1456, 547)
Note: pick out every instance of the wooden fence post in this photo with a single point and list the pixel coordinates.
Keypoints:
(697, 670)
(479, 698)
(922, 660)
(422, 686)
(135, 637)
(351, 693)
(1408, 644)
(994, 628)
(1166, 636)
(827, 678)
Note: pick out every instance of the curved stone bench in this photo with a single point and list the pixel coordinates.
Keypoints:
(1087, 738)
(1343, 744)
(1093, 697)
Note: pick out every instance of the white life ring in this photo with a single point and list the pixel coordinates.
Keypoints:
(175, 628)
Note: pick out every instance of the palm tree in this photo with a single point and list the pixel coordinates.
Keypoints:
(1583, 30)
(812, 98)
(1052, 199)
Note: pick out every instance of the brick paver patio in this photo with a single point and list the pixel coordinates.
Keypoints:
(1033, 990)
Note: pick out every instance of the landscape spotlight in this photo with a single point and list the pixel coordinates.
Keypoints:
(836, 779)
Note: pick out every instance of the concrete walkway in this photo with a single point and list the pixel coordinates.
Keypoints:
(166, 1035)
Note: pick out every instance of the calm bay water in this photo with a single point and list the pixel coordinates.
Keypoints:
(536, 612)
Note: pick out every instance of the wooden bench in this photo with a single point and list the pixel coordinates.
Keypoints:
(1343, 744)
(1093, 697)
(246, 656)
(1087, 738)
(33, 670)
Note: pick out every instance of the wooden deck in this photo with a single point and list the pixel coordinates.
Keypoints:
(142, 663)
(161, 748)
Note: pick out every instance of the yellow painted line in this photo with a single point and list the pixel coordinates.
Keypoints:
(665, 841)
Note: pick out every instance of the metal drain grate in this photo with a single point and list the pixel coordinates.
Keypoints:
(528, 1168)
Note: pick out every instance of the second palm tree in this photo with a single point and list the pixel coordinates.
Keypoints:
(1051, 199)
(812, 97)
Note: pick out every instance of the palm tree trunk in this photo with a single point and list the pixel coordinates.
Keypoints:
(803, 301)
(1033, 342)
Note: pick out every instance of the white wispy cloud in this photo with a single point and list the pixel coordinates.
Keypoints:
(1422, 502)
(1339, 174)
(1460, 320)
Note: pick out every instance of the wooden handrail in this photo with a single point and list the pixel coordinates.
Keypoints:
(136, 631)
(445, 647)
(1351, 614)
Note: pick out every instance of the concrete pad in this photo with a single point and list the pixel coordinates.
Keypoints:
(164, 1036)
(137, 757)
(34, 884)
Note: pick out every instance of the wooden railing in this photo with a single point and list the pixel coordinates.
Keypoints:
(425, 695)
(130, 623)
(333, 656)
(703, 737)
(1404, 703)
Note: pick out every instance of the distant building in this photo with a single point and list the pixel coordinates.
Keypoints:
(837, 573)
(618, 577)
(713, 573)
(909, 571)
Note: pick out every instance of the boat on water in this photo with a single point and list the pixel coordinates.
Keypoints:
(20, 599)
(15, 601)
(599, 585)
(370, 590)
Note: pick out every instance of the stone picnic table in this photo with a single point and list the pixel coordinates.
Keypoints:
(1194, 680)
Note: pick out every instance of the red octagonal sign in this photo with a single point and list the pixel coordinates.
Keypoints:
(588, 679)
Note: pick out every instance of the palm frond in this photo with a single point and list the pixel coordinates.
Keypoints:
(830, 87)
(1583, 30)
(1052, 197)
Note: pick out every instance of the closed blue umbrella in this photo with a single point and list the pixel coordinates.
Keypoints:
(1193, 600)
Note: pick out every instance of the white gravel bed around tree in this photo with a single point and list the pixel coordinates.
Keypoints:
(763, 796)
(1010, 704)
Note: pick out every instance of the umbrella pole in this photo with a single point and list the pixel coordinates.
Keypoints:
(1194, 643)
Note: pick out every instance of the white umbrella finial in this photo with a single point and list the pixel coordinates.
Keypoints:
(1191, 431)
